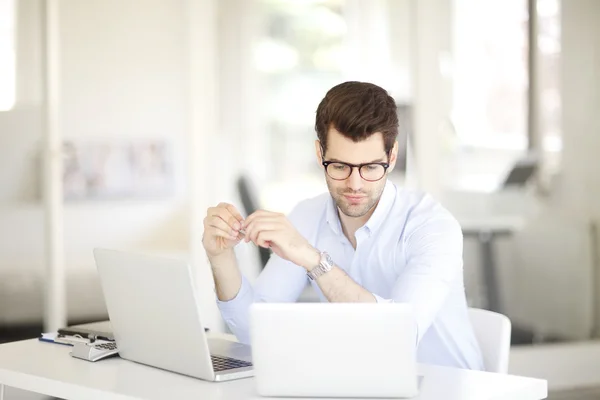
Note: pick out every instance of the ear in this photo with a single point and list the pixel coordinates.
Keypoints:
(318, 152)
(393, 157)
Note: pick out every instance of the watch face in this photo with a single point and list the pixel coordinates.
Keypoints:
(328, 259)
(325, 265)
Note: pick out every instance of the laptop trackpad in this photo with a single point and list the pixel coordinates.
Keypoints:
(231, 349)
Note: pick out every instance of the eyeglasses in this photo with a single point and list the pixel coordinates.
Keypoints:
(340, 171)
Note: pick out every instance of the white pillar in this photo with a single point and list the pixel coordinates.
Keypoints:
(431, 37)
(580, 180)
(578, 190)
(241, 142)
(55, 315)
(203, 130)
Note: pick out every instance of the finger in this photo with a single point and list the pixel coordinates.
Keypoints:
(259, 214)
(263, 223)
(264, 238)
(226, 216)
(233, 211)
(251, 229)
(217, 222)
(216, 232)
(261, 226)
(261, 219)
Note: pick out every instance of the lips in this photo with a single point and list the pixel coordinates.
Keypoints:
(354, 199)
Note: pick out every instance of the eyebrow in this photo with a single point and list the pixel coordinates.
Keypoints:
(369, 162)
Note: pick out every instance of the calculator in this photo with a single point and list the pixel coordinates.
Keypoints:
(94, 351)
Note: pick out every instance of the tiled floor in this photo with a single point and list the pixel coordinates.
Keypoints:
(10, 333)
(577, 394)
(15, 394)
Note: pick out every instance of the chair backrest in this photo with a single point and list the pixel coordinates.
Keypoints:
(493, 331)
(247, 194)
(249, 200)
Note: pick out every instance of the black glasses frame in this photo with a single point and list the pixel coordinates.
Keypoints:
(358, 166)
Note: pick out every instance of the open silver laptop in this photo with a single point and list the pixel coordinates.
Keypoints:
(334, 350)
(153, 309)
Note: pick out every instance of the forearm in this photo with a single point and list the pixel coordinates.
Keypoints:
(338, 287)
(226, 275)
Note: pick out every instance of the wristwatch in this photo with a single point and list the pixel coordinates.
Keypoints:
(325, 265)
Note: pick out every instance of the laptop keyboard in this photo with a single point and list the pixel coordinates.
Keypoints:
(225, 363)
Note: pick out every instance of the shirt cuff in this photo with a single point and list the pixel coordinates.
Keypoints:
(381, 299)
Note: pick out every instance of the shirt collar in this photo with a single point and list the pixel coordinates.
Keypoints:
(332, 217)
(383, 207)
(377, 218)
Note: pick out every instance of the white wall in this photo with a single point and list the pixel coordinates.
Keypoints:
(431, 40)
(578, 189)
(579, 185)
(21, 218)
(124, 75)
(130, 69)
(21, 128)
(555, 254)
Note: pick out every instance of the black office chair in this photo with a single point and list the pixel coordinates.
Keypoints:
(250, 203)
(523, 170)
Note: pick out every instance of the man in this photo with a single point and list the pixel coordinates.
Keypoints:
(364, 241)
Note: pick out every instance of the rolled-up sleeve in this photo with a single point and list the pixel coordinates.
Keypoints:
(232, 310)
(280, 282)
(433, 253)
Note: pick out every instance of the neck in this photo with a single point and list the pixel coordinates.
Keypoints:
(351, 224)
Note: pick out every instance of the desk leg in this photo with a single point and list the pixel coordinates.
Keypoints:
(486, 242)
(1, 391)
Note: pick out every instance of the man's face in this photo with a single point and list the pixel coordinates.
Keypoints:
(355, 196)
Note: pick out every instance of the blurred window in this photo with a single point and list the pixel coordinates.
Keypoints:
(490, 76)
(7, 54)
(298, 57)
(304, 48)
(490, 84)
(549, 50)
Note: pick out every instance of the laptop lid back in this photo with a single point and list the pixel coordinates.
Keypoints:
(334, 349)
(154, 312)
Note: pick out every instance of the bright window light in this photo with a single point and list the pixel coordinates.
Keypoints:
(7, 54)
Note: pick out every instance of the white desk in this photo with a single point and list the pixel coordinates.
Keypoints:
(48, 368)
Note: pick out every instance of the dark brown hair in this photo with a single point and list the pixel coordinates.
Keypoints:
(357, 110)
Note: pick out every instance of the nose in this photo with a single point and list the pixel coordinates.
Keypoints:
(354, 181)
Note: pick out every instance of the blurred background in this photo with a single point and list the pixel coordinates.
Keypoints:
(121, 121)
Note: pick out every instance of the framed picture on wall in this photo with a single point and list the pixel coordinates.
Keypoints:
(117, 169)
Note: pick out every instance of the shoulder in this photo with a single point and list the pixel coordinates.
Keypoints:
(425, 214)
(309, 211)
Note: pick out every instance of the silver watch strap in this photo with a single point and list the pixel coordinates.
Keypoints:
(325, 265)
(316, 272)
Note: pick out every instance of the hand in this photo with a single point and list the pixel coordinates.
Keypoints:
(221, 229)
(275, 231)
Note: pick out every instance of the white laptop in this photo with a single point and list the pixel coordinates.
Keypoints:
(334, 350)
(156, 321)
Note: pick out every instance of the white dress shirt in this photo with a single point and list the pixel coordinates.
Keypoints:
(410, 251)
